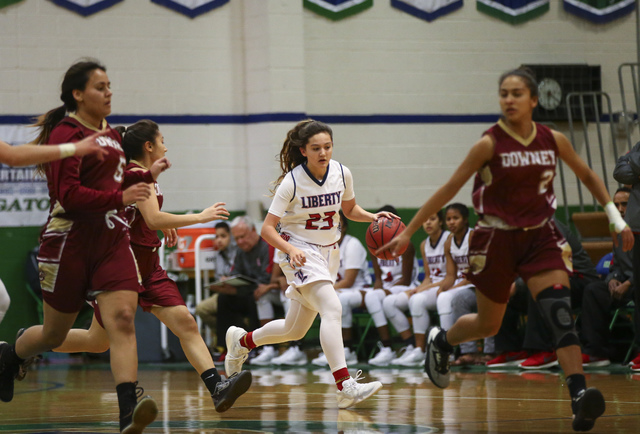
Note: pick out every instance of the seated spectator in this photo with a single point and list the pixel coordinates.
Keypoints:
(601, 297)
(352, 284)
(225, 254)
(627, 172)
(254, 259)
(392, 276)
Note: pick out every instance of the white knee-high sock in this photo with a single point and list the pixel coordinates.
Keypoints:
(292, 328)
(322, 296)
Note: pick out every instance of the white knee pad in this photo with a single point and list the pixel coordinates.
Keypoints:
(394, 307)
(419, 314)
(373, 301)
(265, 309)
(445, 310)
(349, 299)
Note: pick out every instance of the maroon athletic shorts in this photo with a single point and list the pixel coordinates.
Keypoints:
(497, 257)
(82, 257)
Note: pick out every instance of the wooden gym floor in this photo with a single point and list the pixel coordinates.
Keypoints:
(80, 398)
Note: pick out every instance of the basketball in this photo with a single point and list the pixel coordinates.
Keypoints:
(380, 233)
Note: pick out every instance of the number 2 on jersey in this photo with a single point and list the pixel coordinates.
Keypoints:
(545, 180)
(327, 217)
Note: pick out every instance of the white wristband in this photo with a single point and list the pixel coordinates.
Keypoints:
(615, 219)
(67, 150)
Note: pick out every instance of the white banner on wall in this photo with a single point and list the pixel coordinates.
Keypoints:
(24, 197)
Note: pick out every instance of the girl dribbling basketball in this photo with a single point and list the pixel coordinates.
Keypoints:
(303, 224)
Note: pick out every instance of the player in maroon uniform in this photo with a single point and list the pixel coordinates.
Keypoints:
(84, 246)
(143, 145)
(515, 162)
(26, 155)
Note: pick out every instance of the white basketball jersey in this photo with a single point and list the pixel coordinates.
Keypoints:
(308, 208)
(460, 255)
(354, 256)
(437, 260)
(392, 272)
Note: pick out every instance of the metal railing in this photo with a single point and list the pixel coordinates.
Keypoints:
(628, 115)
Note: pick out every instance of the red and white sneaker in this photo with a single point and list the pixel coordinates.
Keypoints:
(510, 358)
(635, 361)
(589, 361)
(541, 360)
(635, 368)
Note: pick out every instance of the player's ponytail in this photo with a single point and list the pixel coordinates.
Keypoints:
(135, 136)
(47, 122)
(298, 137)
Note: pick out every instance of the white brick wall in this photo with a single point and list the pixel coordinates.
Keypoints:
(257, 56)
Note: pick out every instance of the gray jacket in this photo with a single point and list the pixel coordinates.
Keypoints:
(627, 172)
(622, 265)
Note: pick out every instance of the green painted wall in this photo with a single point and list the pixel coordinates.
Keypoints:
(16, 243)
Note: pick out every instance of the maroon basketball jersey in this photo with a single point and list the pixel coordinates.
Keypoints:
(516, 185)
(85, 187)
(141, 235)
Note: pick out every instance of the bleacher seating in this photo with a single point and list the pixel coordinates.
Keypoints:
(593, 228)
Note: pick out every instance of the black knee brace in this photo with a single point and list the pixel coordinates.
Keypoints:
(555, 305)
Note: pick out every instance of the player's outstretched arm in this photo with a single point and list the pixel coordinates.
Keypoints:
(27, 155)
(478, 155)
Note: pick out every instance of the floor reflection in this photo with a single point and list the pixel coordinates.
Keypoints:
(303, 400)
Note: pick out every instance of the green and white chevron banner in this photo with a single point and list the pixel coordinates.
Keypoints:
(600, 11)
(337, 9)
(513, 11)
(4, 3)
(86, 7)
(427, 9)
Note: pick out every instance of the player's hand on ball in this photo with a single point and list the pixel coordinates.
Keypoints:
(386, 214)
(397, 246)
(380, 232)
(297, 258)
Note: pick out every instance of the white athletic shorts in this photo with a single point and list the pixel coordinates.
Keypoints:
(322, 264)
